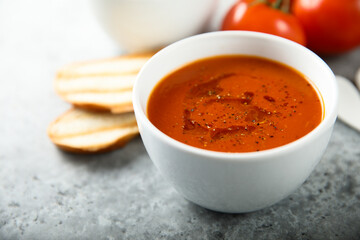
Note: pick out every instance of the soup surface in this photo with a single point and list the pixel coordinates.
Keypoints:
(235, 104)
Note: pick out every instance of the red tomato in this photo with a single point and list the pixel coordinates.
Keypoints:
(331, 26)
(260, 17)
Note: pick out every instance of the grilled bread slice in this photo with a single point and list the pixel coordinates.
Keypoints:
(83, 131)
(101, 84)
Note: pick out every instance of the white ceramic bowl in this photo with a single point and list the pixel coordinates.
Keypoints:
(144, 25)
(235, 182)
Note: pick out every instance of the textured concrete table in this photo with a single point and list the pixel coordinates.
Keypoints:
(49, 194)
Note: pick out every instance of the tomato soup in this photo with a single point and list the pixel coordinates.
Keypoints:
(235, 104)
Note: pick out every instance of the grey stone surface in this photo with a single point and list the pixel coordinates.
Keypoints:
(49, 194)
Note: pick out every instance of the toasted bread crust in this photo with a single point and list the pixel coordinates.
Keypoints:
(70, 69)
(114, 146)
(124, 108)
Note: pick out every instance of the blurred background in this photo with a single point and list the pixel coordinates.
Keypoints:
(49, 194)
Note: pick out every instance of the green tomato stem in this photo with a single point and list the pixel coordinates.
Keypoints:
(286, 6)
(277, 4)
(282, 5)
(258, 2)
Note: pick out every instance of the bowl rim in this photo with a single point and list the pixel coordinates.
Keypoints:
(325, 124)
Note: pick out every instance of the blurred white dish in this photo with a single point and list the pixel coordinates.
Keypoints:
(357, 78)
(221, 10)
(349, 102)
(145, 25)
